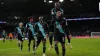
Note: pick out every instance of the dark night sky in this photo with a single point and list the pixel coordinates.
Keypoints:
(39, 7)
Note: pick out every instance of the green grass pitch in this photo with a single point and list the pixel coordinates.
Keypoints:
(81, 47)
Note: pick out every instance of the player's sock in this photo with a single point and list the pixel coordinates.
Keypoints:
(50, 39)
(44, 47)
(21, 46)
(68, 40)
(34, 48)
(56, 49)
(63, 51)
(18, 44)
(37, 43)
(28, 47)
(3, 40)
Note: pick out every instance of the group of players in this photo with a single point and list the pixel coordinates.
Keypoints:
(40, 30)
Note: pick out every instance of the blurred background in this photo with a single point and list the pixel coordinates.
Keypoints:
(83, 15)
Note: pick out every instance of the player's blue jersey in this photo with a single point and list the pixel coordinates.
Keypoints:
(53, 13)
(4, 34)
(20, 31)
(41, 28)
(30, 28)
(61, 26)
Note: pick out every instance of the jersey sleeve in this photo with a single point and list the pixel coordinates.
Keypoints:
(23, 31)
(26, 28)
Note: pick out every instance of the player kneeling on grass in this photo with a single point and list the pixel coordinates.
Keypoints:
(42, 32)
(59, 32)
(20, 35)
(4, 34)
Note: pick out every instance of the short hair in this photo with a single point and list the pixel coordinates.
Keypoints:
(20, 23)
(31, 17)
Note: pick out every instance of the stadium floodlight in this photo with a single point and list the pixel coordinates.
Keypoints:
(50, 1)
(2, 3)
(72, 0)
(45, 1)
(61, 0)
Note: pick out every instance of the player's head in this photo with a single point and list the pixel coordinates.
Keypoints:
(41, 18)
(58, 14)
(57, 4)
(20, 24)
(3, 30)
(31, 19)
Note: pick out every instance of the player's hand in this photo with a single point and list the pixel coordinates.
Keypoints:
(47, 35)
(35, 38)
(45, 38)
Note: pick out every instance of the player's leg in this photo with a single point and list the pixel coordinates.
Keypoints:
(18, 41)
(30, 38)
(44, 46)
(10, 38)
(51, 39)
(29, 42)
(69, 41)
(56, 47)
(21, 44)
(34, 45)
(68, 38)
(3, 39)
(38, 42)
(56, 39)
(63, 49)
(62, 40)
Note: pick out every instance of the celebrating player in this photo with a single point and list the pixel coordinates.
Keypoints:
(42, 32)
(59, 33)
(20, 35)
(53, 13)
(31, 33)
